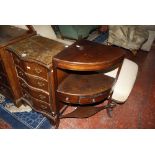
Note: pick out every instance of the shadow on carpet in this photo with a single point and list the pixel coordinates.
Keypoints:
(21, 120)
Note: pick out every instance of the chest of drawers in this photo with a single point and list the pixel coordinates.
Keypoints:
(8, 36)
(33, 64)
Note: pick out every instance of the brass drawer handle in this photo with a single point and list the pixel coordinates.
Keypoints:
(38, 70)
(40, 84)
(67, 98)
(42, 96)
(93, 100)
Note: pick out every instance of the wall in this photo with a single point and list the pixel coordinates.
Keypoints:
(46, 31)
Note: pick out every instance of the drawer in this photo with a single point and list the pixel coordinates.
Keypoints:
(34, 92)
(36, 104)
(35, 69)
(39, 95)
(37, 83)
(3, 79)
(33, 81)
(41, 106)
(31, 67)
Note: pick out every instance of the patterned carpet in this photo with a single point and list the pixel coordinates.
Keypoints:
(20, 120)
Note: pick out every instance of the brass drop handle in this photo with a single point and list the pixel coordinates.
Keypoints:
(67, 98)
(93, 100)
(38, 70)
(41, 84)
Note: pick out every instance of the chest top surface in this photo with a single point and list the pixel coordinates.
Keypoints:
(85, 54)
(9, 33)
(37, 48)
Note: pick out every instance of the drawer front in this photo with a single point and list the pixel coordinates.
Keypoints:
(38, 83)
(31, 67)
(3, 79)
(33, 81)
(34, 92)
(41, 106)
(73, 99)
(37, 104)
(35, 69)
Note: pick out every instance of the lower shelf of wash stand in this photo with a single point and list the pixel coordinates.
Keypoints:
(85, 92)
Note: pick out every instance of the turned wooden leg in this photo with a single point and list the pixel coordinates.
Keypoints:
(55, 121)
(110, 107)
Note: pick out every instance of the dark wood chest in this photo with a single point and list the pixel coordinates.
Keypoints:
(32, 59)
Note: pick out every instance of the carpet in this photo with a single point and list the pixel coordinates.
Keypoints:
(21, 120)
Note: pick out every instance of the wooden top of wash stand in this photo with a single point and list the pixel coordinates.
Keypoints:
(37, 48)
(85, 55)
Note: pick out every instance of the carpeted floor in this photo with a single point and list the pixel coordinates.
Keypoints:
(21, 120)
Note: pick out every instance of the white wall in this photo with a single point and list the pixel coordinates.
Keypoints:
(46, 31)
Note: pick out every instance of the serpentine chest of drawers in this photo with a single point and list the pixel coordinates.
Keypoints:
(33, 62)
